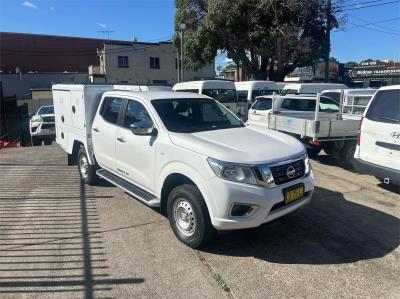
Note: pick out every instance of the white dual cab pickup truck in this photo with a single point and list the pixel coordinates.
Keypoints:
(184, 153)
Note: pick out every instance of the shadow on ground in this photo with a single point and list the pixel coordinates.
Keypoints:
(52, 244)
(331, 230)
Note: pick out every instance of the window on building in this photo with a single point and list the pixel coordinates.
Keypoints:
(123, 62)
(154, 62)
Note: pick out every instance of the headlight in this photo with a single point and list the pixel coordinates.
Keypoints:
(307, 165)
(36, 118)
(233, 172)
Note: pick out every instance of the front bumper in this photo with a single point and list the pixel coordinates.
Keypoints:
(42, 129)
(378, 171)
(221, 195)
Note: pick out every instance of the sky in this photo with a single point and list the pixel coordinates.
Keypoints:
(152, 20)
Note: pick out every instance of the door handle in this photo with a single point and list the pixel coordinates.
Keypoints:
(96, 129)
(120, 139)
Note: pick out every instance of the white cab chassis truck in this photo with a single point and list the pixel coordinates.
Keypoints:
(184, 153)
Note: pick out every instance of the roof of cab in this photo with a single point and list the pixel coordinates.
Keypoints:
(203, 83)
(155, 95)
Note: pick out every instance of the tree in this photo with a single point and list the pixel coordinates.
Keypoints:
(265, 37)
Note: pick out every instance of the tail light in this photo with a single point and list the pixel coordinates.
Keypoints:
(359, 132)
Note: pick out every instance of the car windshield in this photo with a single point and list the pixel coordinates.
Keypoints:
(195, 115)
(46, 110)
(221, 95)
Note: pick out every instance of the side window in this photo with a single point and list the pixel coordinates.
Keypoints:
(262, 104)
(292, 104)
(110, 109)
(328, 105)
(242, 95)
(135, 112)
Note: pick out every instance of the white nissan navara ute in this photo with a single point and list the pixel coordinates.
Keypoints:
(189, 155)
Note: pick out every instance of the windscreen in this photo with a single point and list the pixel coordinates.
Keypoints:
(194, 115)
(385, 107)
(221, 95)
(46, 110)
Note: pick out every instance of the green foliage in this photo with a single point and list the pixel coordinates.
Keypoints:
(257, 34)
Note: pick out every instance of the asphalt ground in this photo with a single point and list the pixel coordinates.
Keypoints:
(62, 239)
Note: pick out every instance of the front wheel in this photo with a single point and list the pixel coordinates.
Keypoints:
(87, 172)
(188, 216)
(347, 154)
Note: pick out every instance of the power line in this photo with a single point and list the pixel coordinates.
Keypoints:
(380, 26)
(359, 3)
(373, 23)
(373, 5)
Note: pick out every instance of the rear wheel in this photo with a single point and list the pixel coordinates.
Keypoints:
(36, 141)
(48, 142)
(347, 154)
(87, 172)
(188, 216)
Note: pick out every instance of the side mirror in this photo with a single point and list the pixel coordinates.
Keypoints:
(142, 127)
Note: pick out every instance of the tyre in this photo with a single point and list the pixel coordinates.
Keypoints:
(48, 142)
(312, 152)
(87, 172)
(36, 141)
(188, 216)
(347, 154)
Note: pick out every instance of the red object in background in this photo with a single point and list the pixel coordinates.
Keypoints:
(8, 144)
(317, 143)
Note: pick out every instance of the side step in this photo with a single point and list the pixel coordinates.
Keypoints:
(137, 192)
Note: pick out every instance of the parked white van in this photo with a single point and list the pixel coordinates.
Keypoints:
(220, 90)
(249, 90)
(378, 142)
(310, 88)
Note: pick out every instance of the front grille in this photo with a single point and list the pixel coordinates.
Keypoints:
(47, 126)
(48, 119)
(280, 175)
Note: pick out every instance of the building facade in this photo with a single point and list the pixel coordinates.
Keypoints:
(142, 63)
(374, 73)
(36, 53)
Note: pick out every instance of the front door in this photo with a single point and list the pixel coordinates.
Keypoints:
(135, 154)
(104, 130)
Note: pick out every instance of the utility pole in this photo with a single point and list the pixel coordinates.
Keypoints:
(328, 38)
(182, 28)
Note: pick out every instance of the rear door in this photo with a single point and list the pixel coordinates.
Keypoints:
(104, 132)
(380, 130)
(258, 113)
